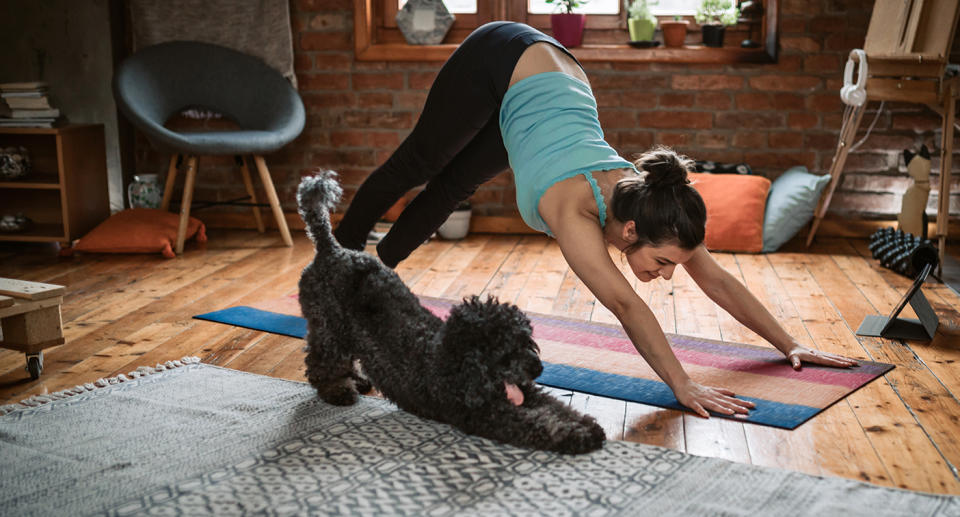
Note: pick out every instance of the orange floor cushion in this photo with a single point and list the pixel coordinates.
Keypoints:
(735, 209)
(138, 230)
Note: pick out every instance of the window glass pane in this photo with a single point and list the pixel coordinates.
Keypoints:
(591, 7)
(454, 6)
(673, 7)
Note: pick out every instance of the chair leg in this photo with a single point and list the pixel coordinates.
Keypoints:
(185, 204)
(171, 179)
(274, 200)
(245, 171)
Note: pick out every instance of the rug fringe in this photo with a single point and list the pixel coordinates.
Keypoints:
(143, 371)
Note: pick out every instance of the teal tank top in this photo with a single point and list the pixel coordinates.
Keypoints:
(551, 132)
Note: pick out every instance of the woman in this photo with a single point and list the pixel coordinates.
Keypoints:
(510, 95)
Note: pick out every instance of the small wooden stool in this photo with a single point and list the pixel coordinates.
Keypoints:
(30, 319)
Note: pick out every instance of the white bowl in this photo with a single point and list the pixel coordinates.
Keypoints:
(456, 226)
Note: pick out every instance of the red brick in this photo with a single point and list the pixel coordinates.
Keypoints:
(302, 62)
(487, 195)
(712, 140)
(410, 100)
(795, 7)
(383, 154)
(788, 101)
(420, 80)
(881, 142)
(617, 118)
(739, 120)
(331, 61)
(792, 25)
(326, 40)
(673, 139)
(331, 21)
(712, 100)
(615, 82)
(823, 63)
(788, 83)
(392, 81)
(375, 100)
(676, 100)
(750, 139)
(779, 161)
(384, 140)
(788, 140)
(327, 100)
(677, 120)
(870, 161)
(607, 99)
(820, 142)
(348, 138)
(351, 176)
(728, 156)
(799, 44)
(844, 41)
(825, 102)
(377, 119)
(754, 101)
(312, 82)
(826, 23)
(336, 157)
(370, 66)
(707, 82)
(638, 99)
(636, 140)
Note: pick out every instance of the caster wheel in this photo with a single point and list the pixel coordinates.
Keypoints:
(35, 365)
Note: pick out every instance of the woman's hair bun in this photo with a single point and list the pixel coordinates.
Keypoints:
(664, 168)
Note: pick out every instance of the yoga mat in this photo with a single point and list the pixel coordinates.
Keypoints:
(599, 359)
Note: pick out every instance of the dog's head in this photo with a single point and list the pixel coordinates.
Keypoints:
(487, 344)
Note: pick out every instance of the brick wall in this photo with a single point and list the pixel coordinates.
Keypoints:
(770, 116)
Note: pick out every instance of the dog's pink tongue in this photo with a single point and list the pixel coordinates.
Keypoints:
(514, 394)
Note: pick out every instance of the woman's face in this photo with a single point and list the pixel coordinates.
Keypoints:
(651, 262)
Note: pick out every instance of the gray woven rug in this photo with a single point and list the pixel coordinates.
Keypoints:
(196, 439)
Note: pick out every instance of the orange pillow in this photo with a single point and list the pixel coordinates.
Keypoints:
(735, 206)
(138, 230)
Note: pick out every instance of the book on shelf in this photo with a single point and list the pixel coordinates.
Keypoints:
(29, 114)
(27, 122)
(27, 86)
(25, 104)
(37, 102)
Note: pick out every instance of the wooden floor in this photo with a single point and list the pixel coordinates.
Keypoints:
(903, 430)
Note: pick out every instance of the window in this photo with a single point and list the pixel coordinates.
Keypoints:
(377, 37)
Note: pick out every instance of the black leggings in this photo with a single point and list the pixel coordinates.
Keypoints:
(455, 146)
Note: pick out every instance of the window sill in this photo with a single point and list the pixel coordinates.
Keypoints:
(585, 53)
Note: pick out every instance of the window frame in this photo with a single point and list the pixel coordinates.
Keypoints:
(375, 40)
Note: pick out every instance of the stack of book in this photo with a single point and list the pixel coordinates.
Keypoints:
(26, 105)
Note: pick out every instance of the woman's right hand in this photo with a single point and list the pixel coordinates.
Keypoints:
(702, 398)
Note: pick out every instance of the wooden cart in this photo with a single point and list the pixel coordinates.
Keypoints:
(30, 319)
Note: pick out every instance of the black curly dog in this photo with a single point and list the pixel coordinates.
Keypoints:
(458, 372)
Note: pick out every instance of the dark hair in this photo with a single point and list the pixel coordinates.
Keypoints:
(661, 201)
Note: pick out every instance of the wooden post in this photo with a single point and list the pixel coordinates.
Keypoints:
(274, 200)
(245, 172)
(850, 125)
(171, 180)
(185, 204)
(946, 165)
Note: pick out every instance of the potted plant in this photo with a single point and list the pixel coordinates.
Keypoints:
(640, 21)
(674, 31)
(714, 16)
(568, 26)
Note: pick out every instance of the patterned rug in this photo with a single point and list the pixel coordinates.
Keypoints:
(192, 439)
(599, 359)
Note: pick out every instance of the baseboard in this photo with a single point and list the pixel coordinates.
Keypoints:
(513, 224)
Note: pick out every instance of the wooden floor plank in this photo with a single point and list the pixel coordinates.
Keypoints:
(474, 278)
(512, 276)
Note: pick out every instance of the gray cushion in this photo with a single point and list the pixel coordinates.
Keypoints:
(161, 80)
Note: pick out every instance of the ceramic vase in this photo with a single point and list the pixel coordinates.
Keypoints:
(145, 191)
(641, 29)
(568, 28)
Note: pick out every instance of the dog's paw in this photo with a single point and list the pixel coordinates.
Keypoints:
(340, 395)
(585, 436)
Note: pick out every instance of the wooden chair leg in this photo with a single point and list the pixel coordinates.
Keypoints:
(171, 179)
(185, 204)
(946, 167)
(274, 200)
(851, 123)
(245, 171)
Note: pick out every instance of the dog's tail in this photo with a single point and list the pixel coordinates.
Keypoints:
(316, 196)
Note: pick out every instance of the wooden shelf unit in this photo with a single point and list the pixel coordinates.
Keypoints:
(65, 194)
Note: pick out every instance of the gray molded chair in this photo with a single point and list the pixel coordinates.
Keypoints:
(159, 81)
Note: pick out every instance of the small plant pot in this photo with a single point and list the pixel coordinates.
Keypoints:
(568, 28)
(674, 32)
(713, 35)
(457, 224)
(641, 29)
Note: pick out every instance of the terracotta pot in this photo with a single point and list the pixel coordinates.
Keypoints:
(674, 32)
(713, 35)
(568, 28)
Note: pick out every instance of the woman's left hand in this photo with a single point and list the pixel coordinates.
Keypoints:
(800, 354)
